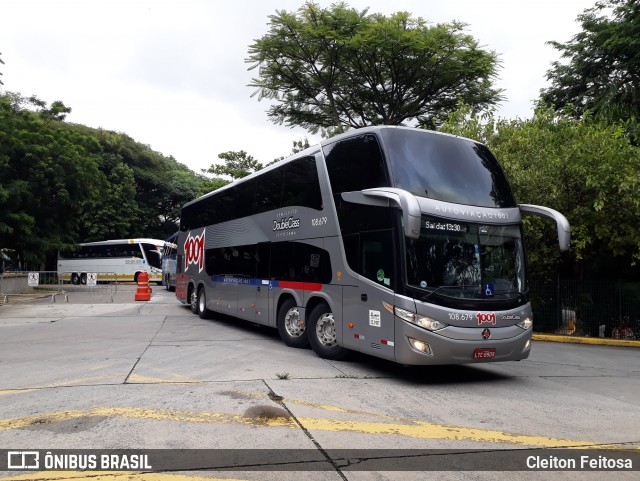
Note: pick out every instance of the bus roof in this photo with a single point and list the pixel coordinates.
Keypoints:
(145, 240)
(317, 147)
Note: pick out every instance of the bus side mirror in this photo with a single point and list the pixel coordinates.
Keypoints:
(564, 229)
(381, 196)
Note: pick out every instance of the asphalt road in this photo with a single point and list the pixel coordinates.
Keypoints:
(92, 374)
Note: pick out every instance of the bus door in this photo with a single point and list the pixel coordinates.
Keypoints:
(369, 306)
(262, 289)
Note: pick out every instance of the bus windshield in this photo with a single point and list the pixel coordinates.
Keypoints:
(447, 168)
(153, 254)
(466, 260)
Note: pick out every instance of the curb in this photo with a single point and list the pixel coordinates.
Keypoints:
(599, 341)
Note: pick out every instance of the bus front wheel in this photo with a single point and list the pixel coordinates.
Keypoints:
(321, 330)
(291, 329)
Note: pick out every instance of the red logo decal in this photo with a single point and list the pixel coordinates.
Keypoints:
(486, 317)
(194, 251)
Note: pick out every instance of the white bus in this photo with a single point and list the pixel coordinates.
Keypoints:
(400, 243)
(119, 260)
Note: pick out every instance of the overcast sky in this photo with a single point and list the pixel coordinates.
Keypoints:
(171, 73)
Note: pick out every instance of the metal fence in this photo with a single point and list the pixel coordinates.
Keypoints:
(102, 283)
(593, 308)
(26, 285)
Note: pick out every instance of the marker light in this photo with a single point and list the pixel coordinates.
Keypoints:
(422, 321)
(526, 323)
(421, 346)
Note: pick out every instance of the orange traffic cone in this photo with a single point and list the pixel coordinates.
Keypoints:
(144, 291)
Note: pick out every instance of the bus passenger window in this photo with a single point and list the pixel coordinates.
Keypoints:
(355, 164)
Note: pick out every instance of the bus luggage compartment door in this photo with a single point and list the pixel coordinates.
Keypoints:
(373, 324)
(261, 303)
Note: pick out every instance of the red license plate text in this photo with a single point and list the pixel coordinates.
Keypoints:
(485, 353)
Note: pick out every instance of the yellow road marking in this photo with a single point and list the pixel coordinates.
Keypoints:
(86, 380)
(325, 407)
(137, 413)
(426, 430)
(136, 378)
(601, 341)
(63, 384)
(172, 377)
(15, 391)
(408, 428)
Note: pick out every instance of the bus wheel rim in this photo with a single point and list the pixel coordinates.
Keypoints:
(201, 303)
(194, 299)
(326, 330)
(292, 323)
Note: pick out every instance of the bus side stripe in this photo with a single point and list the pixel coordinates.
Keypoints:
(297, 285)
(302, 286)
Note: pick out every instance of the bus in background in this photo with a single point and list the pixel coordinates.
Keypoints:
(169, 256)
(397, 242)
(118, 260)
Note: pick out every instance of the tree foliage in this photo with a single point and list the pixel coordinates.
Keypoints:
(585, 168)
(236, 165)
(337, 68)
(65, 183)
(602, 69)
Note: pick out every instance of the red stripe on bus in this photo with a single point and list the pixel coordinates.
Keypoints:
(303, 286)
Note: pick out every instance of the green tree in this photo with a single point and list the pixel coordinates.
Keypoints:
(66, 183)
(115, 212)
(601, 71)
(339, 68)
(236, 165)
(181, 186)
(46, 170)
(297, 146)
(585, 168)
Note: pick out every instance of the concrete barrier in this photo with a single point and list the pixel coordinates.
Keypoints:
(14, 283)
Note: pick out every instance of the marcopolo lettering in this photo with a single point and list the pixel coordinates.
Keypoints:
(472, 213)
(194, 251)
(286, 224)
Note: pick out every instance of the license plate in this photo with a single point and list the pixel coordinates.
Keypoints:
(485, 353)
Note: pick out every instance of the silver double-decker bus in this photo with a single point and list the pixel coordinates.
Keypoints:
(397, 242)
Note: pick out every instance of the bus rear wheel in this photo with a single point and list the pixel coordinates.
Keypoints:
(203, 312)
(292, 330)
(193, 300)
(321, 330)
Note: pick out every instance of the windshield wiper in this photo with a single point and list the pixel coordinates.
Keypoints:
(447, 287)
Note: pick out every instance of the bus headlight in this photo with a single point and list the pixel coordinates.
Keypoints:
(526, 323)
(420, 346)
(418, 320)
